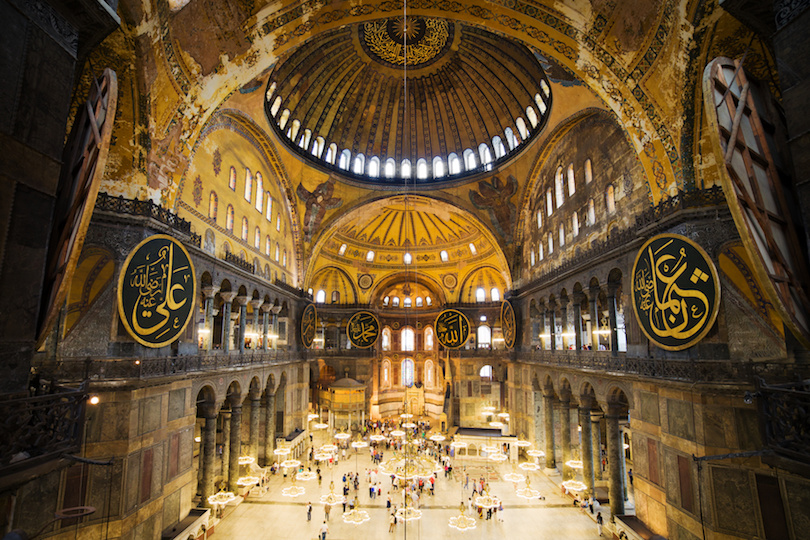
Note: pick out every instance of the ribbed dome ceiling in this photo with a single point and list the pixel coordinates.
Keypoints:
(471, 99)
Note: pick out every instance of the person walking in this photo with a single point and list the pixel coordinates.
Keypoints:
(309, 511)
(391, 522)
(324, 530)
(599, 522)
(326, 508)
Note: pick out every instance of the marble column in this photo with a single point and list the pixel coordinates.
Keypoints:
(552, 325)
(565, 434)
(614, 330)
(614, 456)
(209, 293)
(269, 428)
(577, 308)
(242, 301)
(253, 438)
(596, 428)
(236, 445)
(265, 322)
(564, 327)
(276, 310)
(227, 298)
(208, 451)
(226, 443)
(256, 304)
(548, 406)
(587, 444)
(594, 309)
(539, 429)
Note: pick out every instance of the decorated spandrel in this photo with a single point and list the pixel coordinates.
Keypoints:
(308, 323)
(363, 329)
(508, 324)
(156, 291)
(452, 328)
(676, 291)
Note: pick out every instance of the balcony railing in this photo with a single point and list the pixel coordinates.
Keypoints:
(134, 207)
(38, 429)
(784, 418)
(239, 262)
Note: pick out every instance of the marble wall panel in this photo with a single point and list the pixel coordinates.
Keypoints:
(649, 408)
(733, 500)
(177, 404)
(680, 418)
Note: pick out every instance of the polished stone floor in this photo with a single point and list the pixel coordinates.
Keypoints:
(273, 516)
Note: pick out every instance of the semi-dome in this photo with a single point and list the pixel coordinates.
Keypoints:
(424, 99)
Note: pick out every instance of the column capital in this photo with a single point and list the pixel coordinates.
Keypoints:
(242, 300)
(586, 402)
(266, 307)
(235, 401)
(208, 410)
(210, 291)
(256, 303)
(276, 309)
(228, 296)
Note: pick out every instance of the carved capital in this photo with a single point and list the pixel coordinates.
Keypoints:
(228, 296)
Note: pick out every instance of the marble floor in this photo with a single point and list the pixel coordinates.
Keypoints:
(273, 516)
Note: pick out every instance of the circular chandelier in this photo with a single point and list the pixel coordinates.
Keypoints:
(406, 415)
(359, 444)
(574, 485)
(328, 448)
(437, 437)
(306, 475)
(247, 480)
(246, 460)
(503, 415)
(487, 501)
(222, 497)
(410, 468)
(288, 463)
(498, 457)
(490, 448)
(322, 456)
(488, 409)
(281, 451)
(408, 513)
(311, 417)
(356, 517)
(320, 425)
(377, 438)
(408, 425)
(513, 477)
(462, 523)
(535, 453)
(397, 433)
(521, 443)
(529, 466)
(342, 436)
(528, 493)
(332, 499)
(458, 444)
(293, 491)
(496, 424)
(574, 463)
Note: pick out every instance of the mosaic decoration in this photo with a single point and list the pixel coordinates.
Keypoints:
(676, 291)
(452, 328)
(508, 324)
(494, 197)
(196, 194)
(363, 329)
(317, 202)
(308, 321)
(216, 162)
(156, 291)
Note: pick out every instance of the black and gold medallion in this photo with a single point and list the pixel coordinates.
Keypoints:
(156, 291)
(363, 329)
(508, 324)
(452, 328)
(676, 291)
(308, 322)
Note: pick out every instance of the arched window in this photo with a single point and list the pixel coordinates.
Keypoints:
(454, 164)
(245, 228)
(278, 252)
(497, 145)
(269, 214)
(469, 159)
(284, 259)
(229, 219)
(550, 243)
(539, 218)
(335, 297)
(521, 126)
(575, 224)
(591, 213)
(405, 168)
(292, 133)
(321, 296)
(541, 105)
(545, 88)
(480, 295)
(345, 159)
(443, 255)
(390, 168)
(248, 184)
(285, 115)
(342, 250)
(386, 338)
(472, 248)
(429, 372)
(210, 245)
(276, 106)
(386, 300)
(532, 116)
(213, 203)
(232, 179)
(407, 338)
(532, 257)
(267, 244)
(259, 192)
(374, 167)
(558, 186)
(317, 148)
(305, 139)
(395, 301)
(257, 238)
(511, 140)
(421, 168)
(549, 202)
(484, 337)
(486, 372)
(571, 184)
(419, 301)
(407, 372)
(386, 370)
(495, 294)
(485, 154)
(438, 167)
(359, 164)
(610, 199)
(540, 251)
(407, 258)
(370, 256)
(428, 301)
(278, 222)
(562, 235)
(407, 302)
(331, 154)
(588, 171)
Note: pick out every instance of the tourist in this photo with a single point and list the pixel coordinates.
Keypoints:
(324, 530)
(309, 511)
(599, 523)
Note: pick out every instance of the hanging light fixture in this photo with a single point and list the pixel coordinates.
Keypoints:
(437, 437)
(247, 480)
(306, 476)
(293, 491)
(514, 477)
(535, 453)
(356, 517)
(521, 443)
(342, 436)
(574, 463)
(462, 523)
(359, 444)
(332, 499)
(290, 463)
(320, 425)
(377, 438)
(574, 485)
(529, 466)
(246, 460)
(528, 493)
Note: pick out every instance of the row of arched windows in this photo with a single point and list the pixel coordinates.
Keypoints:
(407, 301)
(407, 373)
(262, 201)
(407, 258)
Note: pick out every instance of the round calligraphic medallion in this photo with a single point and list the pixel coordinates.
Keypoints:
(452, 328)
(676, 291)
(508, 324)
(363, 329)
(308, 322)
(156, 291)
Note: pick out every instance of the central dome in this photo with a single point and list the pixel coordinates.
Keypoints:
(422, 99)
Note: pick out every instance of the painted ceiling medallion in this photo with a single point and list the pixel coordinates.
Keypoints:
(412, 41)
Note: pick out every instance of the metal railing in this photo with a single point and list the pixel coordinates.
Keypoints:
(239, 262)
(784, 418)
(134, 207)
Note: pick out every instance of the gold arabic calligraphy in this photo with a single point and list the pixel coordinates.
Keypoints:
(363, 329)
(308, 325)
(381, 44)
(452, 328)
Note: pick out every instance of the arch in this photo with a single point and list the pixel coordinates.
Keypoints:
(485, 278)
(522, 129)
(386, 339)
(245, 228)
(469, 159)
(210, 244)
(438, 167)
(359, 166)
(407, 372)
(532, 116)
(345, 160)
(498, 147)
(486, 372)
(405, 168)
(428, 339)
(572, 187)
(407, 339)
(333, 278)
(390, 168)
(453, 164)
(484, 336)
(421, 168)
(213, 204)
(331, 154)
(386, 373)
(229, 219)
(558, 186)
(430, 377)
(374, 167)
(318, 146)
(588, 171)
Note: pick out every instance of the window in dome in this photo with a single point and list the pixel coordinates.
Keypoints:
(429, 338)
(419, 301)
(245, 228)
(267, 245)
(469, 159)
(407, 337)
(370, 256)
(395, 301)
(257, 238)
(610, 199)
(558, 186)
(248, 185)
(321, 297)
(538, 99)
(259, 192)
(562, 235)
(405, 168)
(232, 179)
(342, 249)
(485, 154)
(331, 154)
(386, 300)
(359, 164)
(495, 294)
(276, 106)
(545, 88)
(309, 291)
(438, 167)
(229, 219)
(549, 202)
(374, 167)
(591, 213)
(443, 255)
(317, 148)
(269, 214)
(285, 116)
(428, 301)
(306, 138)
(407, 372)
(575, 224)
(407, 258)
(572, 188)
(278, 222)
(588, 171)
(511, 140)
(213, 203)
(521, 126)
(454, 164)
(550, 244)
(335, 297)
(421, 168)
(292, 133)
(531, 115)
(480, 295)
(472, 249)
(406, 303)
(345, 159)
(497, 145)
(390, 168)
(539, 218)
(278, 252)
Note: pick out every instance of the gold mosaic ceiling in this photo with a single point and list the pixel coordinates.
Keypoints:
(466, 87)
